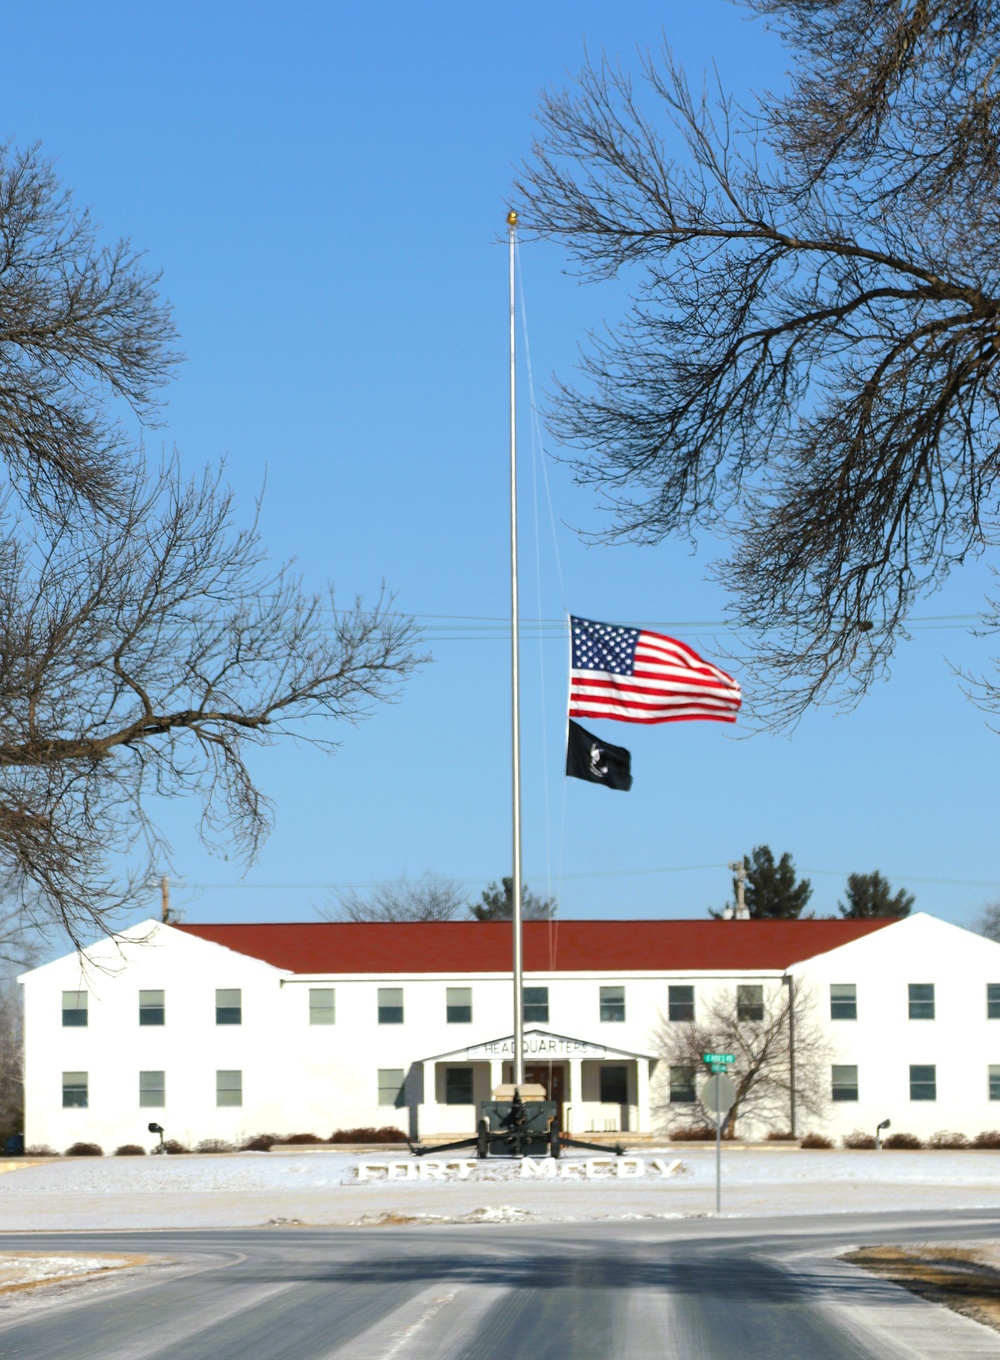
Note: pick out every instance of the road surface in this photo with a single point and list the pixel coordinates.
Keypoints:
(693, 1289)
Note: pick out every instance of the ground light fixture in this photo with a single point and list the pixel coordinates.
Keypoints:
(157, 1128)
(885, 1124)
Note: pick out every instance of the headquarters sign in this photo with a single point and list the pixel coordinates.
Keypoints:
(541, 1046)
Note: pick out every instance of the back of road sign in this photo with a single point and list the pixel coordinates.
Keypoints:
(718, 1094)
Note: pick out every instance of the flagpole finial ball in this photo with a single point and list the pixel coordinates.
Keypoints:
(512, 218)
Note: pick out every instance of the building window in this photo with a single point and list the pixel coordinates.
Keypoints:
(152, 1008)
(921, 1000)
(680, 1003)
(390, 1005)
(153, 1089)
(750, 1002)
(390, 1086)
(843, 1001)
(682, 1089)
(612, 1004)
(458, 1011)
(923, 1083)
(536, 1005)
(229, 1088)
(74, 1090)
(74, 1010)
(322, 1006)
(229, 1008)
(994, 1083)
(458, 1086)
(614, 1085)
(844, 1083)
(993, 1001)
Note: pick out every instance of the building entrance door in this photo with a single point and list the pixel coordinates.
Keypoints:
(553, 1077)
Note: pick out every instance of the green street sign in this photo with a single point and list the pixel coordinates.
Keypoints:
(721, 1059)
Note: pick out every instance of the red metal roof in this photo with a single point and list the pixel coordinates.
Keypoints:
(558, 946)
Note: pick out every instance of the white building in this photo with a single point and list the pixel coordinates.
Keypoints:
(222, 1031)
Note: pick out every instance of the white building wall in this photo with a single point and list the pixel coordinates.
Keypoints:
(960, 1043)
(299, 1077)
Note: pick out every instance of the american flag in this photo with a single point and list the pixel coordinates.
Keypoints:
(633, 675)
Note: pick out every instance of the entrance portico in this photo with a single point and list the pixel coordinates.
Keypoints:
(600, 1088)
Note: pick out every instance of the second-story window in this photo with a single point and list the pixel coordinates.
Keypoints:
(322, 1006)
(993, 1001)
(228, 1006)
(750, 1002)
(74, 1010)
(843, 1001)
(390, 1005)
(536, 1005)
(152, 1008)
(921, 1000)
(680, 1003)
(458, 1008)
(612, 1004)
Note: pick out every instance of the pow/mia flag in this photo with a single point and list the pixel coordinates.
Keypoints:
(587, 757)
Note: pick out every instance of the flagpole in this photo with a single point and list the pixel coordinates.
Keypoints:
(518, 955)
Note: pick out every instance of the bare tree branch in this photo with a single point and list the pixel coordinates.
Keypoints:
(809, 364)
(146, 643)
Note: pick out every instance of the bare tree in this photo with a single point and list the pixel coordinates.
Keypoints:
(752, 1022)
(146, 644)
(809, 366)
(429, 898)
(11, 1055)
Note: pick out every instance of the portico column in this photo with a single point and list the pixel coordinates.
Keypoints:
(574, 1094)
(429, 1121)
(496, 1073)
(643, 1117)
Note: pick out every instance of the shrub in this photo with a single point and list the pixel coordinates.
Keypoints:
(214, 1145)
(989, 1138)
(944, 1139)
(84, 1150)
(174, 1148)
(130, 1150)
(775, 1137)
(858, 1139)
(260, 1142)
(815, 1140)
(386, 1134)
(903, 1142)
(43, 1150)
(692, 1133)
(300, 1138)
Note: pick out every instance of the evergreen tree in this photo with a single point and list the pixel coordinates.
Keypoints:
(869, 896)
(772, 890)
(497, 904)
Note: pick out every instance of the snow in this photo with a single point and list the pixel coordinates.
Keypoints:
(321, 1188)
(32, 1268)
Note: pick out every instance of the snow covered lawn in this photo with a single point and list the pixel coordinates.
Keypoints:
(321, 1188)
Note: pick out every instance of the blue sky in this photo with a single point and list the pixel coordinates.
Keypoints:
(323, 187)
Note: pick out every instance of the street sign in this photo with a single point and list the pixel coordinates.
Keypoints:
(718, 1094)
(717, 1058)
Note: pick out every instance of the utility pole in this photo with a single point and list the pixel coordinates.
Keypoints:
(739, 868)
(165, 900)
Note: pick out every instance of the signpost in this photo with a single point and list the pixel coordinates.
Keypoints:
(718, 1095)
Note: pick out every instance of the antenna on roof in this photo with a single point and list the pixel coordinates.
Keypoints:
(741, 912)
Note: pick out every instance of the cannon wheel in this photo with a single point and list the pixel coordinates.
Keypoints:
(555, 1137)
(483, 1138)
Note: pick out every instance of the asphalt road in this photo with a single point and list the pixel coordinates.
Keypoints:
(688, 1290)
